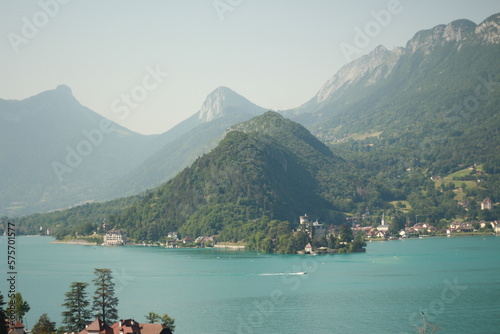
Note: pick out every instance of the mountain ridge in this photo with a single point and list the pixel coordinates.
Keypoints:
(387, 94)
(262, 167)
(380, 62)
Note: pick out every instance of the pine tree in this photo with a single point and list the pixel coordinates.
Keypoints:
(44, 325)
(77, 305)
(4, 329)
(105, 302)
(21, 307)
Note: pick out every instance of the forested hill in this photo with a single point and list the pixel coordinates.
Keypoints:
(275, 168)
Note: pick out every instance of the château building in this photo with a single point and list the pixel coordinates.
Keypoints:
(115, 238)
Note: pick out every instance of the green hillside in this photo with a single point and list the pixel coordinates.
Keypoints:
(280, 171)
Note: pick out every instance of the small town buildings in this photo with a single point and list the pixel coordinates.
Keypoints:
(420, 228)
(204, 240)
(115, 238)
(487, 204)
(308, 249)
(460, 227)
(495, 225)
(173, 235)
(171, 243)
(129, 326)
(431, 229)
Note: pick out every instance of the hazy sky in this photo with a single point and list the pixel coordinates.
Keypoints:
(276, 53)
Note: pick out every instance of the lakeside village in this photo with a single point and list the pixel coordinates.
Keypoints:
(128, 326)
(321, 238)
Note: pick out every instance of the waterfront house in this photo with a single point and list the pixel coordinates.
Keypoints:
(171, 243)
(420, 228)
(496, 226)
(115, 238)
(308, 249)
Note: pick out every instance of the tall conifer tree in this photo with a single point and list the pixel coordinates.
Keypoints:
(77, 305)
(105, 302)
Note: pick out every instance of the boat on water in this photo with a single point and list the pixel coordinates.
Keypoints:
(283, 273)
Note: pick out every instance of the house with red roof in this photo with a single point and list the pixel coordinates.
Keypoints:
(15, 328)
(128, 326)
(97, 327)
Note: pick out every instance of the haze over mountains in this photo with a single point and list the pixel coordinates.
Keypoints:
(71, 154)
(440, 88)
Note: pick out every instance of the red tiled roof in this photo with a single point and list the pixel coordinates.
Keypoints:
(97, 326)
(18, 324)
(128, 326)
(151, 328)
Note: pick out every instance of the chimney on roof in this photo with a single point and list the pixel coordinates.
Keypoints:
(120, 323)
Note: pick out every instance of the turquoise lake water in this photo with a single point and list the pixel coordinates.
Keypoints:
(454, 281)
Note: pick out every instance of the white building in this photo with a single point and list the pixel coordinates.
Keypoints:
(115, 238)
(487, 204)
(383, 227)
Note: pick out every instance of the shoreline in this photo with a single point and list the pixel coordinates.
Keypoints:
(74, 242)
(83, 242)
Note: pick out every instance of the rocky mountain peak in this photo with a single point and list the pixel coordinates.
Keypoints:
(489, 29)
(459, 32)
(366, 67)
(221, 100)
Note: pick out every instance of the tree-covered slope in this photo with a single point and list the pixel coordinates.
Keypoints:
(275, 168)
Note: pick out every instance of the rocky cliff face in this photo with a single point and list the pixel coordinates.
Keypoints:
(368, 67)
(221, 101)
(380, 63)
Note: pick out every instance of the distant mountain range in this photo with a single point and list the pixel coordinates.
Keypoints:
(440, 88)
(59, 153)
